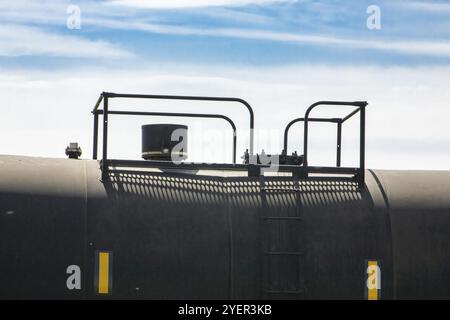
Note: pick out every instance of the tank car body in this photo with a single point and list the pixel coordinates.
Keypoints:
(218, 235)
(86, 229)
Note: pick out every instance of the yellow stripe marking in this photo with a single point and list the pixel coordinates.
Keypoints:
(372, 294)
(103, 272)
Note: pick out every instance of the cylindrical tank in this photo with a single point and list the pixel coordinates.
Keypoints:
(189, 236)
(165, 142)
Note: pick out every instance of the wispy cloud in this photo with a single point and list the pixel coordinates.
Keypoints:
(436, 7)
(171, 4)
(26, 39)
(236, 16)
(19, 40)
(430, 48)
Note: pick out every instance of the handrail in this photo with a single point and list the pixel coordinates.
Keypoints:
(351, 114)
(195, 98)
(303, 171)
(289, 125)
(338, 121)
(97, 104)
(360, 104)
(361, 108)
(180, 114)
(105, 112)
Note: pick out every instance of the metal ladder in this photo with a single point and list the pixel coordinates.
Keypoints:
(282, 246)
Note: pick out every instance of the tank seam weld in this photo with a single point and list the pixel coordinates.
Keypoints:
(387, 206)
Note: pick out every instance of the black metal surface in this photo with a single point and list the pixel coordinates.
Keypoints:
(73, 150)
(183, 236)
(42, 227)
(95, 135)
(282, 159)
(338, 144)
(105, 138)
(119, 163)
(362, 146)
(158, 144)
(95, 142)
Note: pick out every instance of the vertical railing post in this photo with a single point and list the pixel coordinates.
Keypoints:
(234, 146)
(304, 172)
(252, 134)
(362, 146)
(338, 145)
(105, 137)
(95, 142)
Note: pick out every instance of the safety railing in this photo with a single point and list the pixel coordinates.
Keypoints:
(306, 170)
(105, 112)
(302, 171)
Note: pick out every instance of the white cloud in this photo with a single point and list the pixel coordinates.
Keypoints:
(436, 7)
(429, 48)
(434, 48)
(27, 39)
(407, 116)
(235, 15)
(172, 4)
(17, 40)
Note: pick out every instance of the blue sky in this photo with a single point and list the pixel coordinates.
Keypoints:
(281, 55)
(230, 32)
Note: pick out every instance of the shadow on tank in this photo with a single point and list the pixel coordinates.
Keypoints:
(210, 237)
(242, 191)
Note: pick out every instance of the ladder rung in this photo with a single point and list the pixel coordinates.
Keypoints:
(282, 218)
(284, 253)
